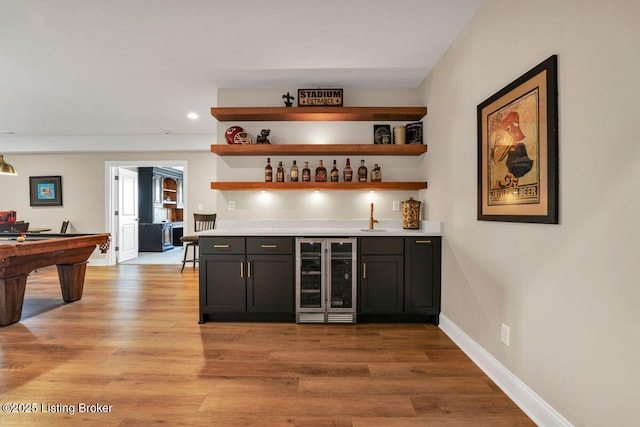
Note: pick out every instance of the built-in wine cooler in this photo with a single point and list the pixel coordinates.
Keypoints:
(326, 280)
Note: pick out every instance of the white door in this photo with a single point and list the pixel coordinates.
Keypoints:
(128, 215)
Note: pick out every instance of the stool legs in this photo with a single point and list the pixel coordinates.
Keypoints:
(195, 257)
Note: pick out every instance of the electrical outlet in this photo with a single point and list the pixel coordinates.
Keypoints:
(231, 205)
(505, 332)
(396, 205)
(200, 207)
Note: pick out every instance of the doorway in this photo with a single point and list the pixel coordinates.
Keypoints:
(113, 223)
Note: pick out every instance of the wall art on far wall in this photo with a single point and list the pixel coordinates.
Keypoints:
(45, 190)
(518, 149)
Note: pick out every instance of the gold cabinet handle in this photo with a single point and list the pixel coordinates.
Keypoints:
(364, 270)
(241, 269)
(269, 246)
(221, 246)
(423, 241)
(248, 269)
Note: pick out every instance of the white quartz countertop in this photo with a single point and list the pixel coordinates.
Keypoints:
(328, 228)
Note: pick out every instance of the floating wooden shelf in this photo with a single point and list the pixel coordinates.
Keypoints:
(318, 149)
(296, 114)
(299, 186)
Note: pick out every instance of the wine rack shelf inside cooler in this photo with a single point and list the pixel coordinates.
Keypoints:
(311, 277)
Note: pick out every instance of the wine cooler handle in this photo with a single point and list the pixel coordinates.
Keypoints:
(241, 269)
(423, 241)
(364, 270)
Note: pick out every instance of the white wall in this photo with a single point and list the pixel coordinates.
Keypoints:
(569, 292)
(307, 204)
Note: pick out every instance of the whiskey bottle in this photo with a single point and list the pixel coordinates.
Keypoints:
(294, 172)
(306, 173)
(347, 173)
(362, 172)
(268, 171)
(335, 174)
(376, 174)
(321, 173)
(280, 173)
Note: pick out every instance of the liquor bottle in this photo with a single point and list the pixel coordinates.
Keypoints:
(347, 173)
(306, 173)
(321, 173)
(376, 174)
(362, 172)
(294, 172)
(268, 171)
(280, 173)
(334, 173)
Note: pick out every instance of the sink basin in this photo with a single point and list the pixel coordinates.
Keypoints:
(375, 230)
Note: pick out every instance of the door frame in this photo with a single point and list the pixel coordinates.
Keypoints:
(111, 191)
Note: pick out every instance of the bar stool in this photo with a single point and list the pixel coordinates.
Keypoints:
(201, 222)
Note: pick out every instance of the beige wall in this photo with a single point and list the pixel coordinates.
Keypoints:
(83, 185)
(569, 292)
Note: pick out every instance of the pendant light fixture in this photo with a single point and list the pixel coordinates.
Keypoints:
(6, 168)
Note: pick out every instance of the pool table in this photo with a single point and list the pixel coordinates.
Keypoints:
(21, 253)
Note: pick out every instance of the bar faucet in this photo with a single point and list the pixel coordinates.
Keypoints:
(371, 219)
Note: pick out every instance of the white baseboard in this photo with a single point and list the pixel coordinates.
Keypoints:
(533, 405)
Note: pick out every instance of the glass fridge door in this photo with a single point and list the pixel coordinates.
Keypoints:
(342, 290)
(310, 275)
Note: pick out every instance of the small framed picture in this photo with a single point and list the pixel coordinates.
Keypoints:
(45, 190)
(382, 134)
(414, 133)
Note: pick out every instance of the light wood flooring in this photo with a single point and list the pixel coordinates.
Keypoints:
(133, 342)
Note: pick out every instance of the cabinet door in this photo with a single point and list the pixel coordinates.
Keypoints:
(422, 275)
(180, 194)
(224, 283)
(167, 236)
(270, 283)
(157, 190)
(381, 284)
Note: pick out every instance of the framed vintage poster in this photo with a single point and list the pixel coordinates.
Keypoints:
(45, 190)
(518, 149)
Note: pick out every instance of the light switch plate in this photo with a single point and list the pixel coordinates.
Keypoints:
(396, 205)
(231, 205)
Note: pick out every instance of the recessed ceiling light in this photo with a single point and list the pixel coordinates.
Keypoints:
(193, 116)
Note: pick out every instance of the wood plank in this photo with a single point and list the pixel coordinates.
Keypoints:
(133, 342)
(267, 114)
(320, 186)
(318, 149)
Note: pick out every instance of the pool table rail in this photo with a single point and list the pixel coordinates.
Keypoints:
(68, 252)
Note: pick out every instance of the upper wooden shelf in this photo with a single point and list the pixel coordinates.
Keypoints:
(298, 186)
(296, 114)
(318, 149)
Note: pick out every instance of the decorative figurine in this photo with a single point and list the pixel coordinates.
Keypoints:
(288, 100)
(263, 137)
